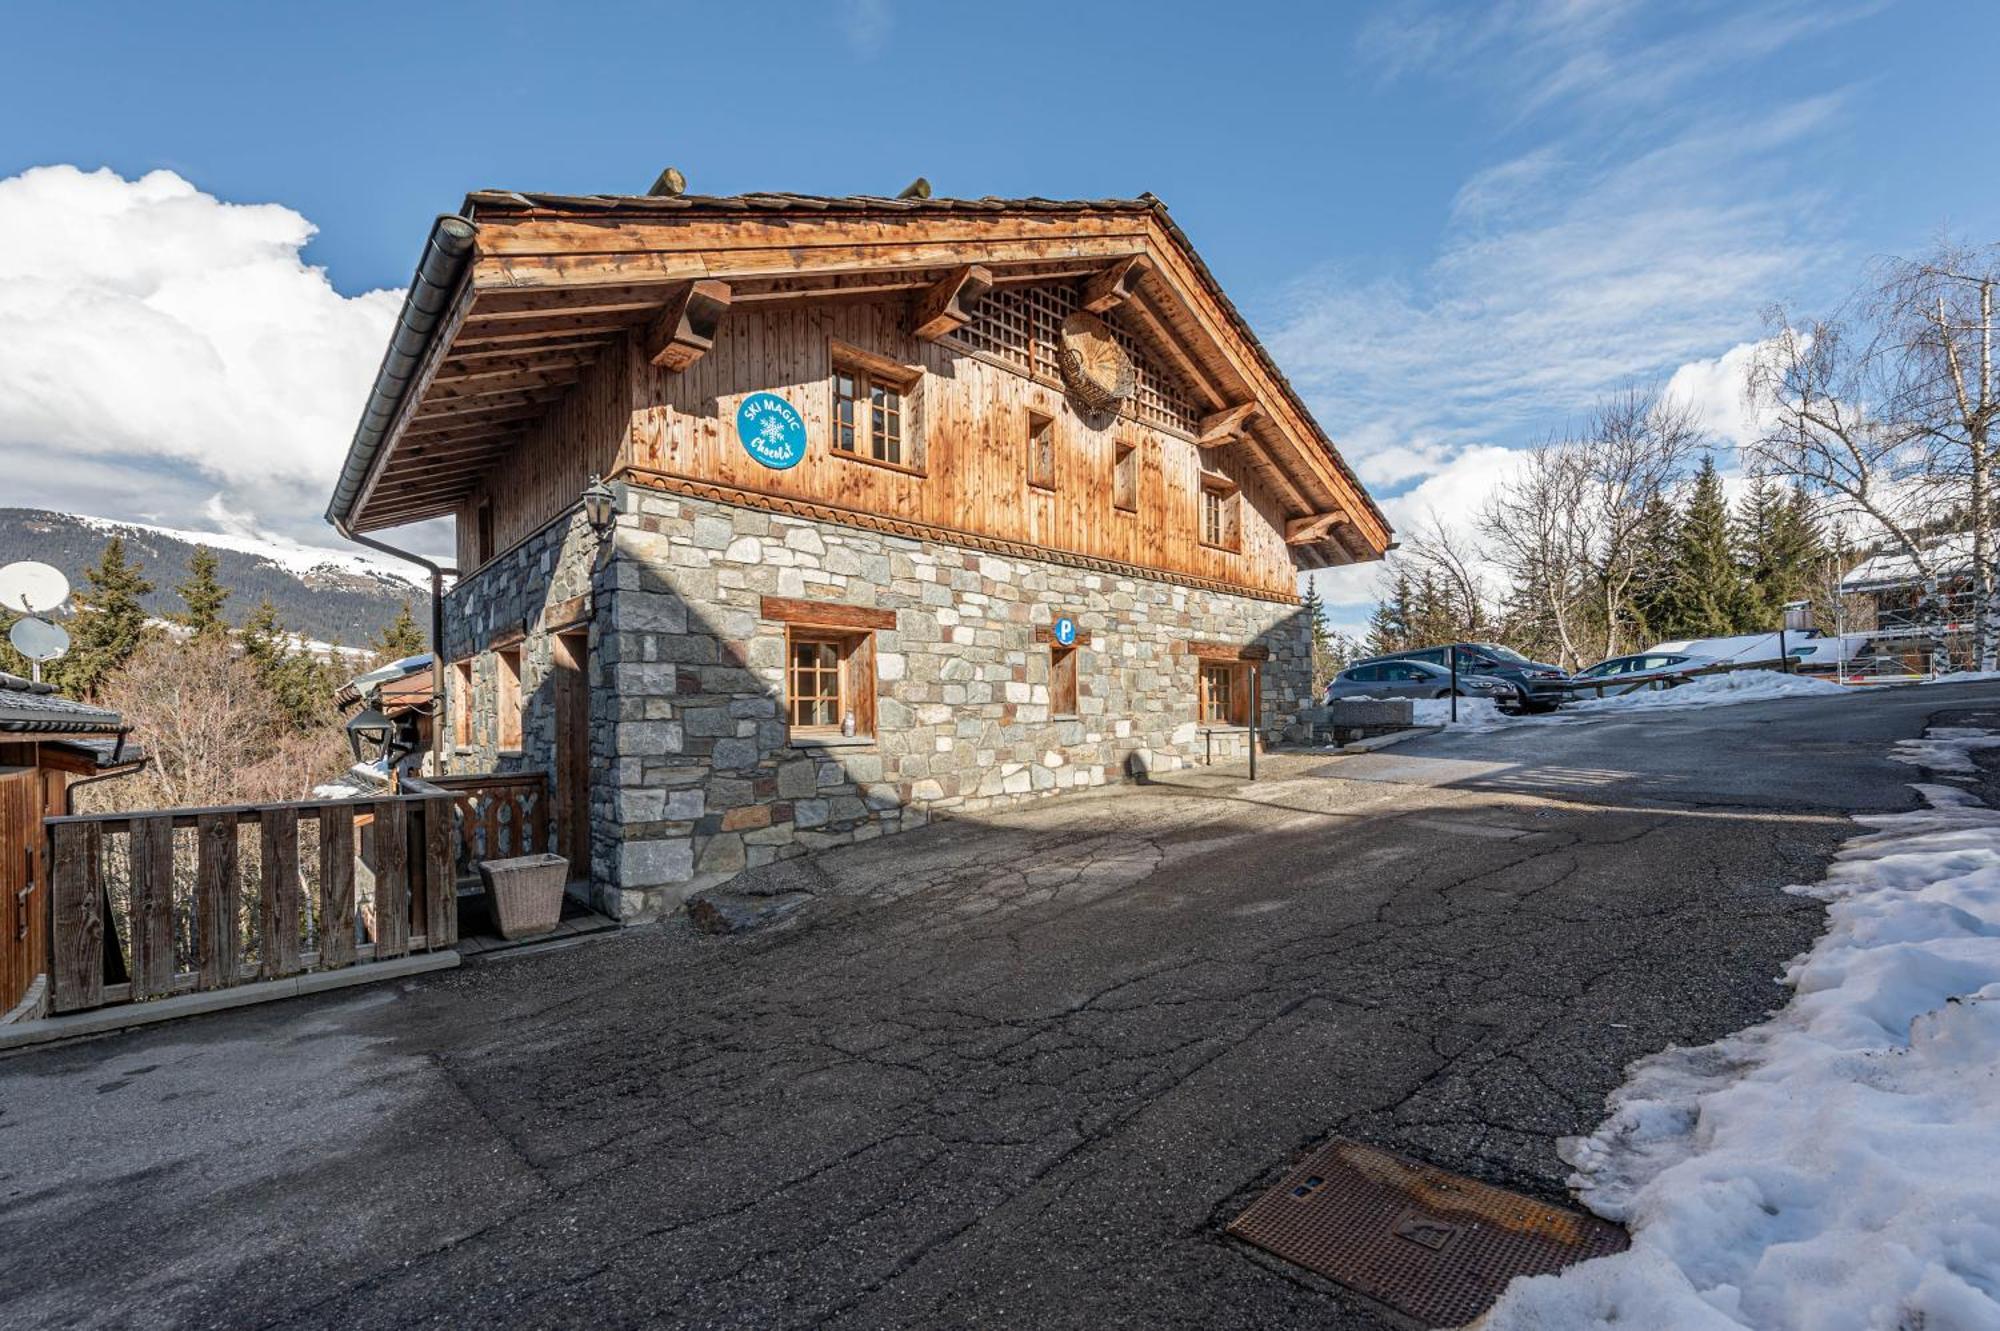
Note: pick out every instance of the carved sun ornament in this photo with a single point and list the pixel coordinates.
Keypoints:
(1095, 369)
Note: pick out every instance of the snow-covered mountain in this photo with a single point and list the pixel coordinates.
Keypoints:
(323, 593)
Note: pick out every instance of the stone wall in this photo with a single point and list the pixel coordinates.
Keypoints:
(706, 780)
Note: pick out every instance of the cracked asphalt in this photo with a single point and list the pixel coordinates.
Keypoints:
(1014, 1073)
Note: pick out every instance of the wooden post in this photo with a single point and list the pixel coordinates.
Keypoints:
(440, 873)
(152, 854)
(336, 885)
(392, 880)
(216, 942)
(278, 900)
(76, 947)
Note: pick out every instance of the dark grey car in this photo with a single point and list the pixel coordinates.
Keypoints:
(1411, 679)
(1532, 685)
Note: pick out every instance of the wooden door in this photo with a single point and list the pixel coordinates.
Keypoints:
(572, 776)
(23, 923)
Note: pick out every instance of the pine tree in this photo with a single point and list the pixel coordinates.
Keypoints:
(401, 638)
(1389, 625)
(110, 625)
(1314, 609)
(1706, 593)
(1649, 599)
(302, 686)
(1781, 547)
(203, 595)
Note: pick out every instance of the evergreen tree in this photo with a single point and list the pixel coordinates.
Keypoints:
(401, 638)
(203, 595)
(301, 686)
(1389, 625)
(1314, 609)
(1707, 597)
(110, 625)
(1649, 600)
(1781, 547)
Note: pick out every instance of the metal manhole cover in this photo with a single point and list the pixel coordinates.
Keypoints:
(1434, 1246)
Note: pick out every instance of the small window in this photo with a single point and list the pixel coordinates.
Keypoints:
(1125, 478)
(1041, 451)
(461, 703)
(1062, 681)
(1220, 695)
(507, 696)
(830, 682)
(872, 408)
(483, 527)
(1219, 503)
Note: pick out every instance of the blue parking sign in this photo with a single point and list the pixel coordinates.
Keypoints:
(1065, 630)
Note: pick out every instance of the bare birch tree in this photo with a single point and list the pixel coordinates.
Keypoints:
(1639, 443)
(1536, 530)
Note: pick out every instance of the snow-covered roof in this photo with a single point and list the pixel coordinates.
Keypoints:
(1948, 556)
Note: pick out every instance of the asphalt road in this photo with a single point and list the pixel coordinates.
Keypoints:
(1013, 1074)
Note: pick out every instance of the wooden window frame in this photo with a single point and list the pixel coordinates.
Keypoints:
(1236, 675)
(1062, 680)
(854, 680)
(1041, 446)
(462, 683)
(869, 371)
(1125, 466)
(509, 701)
(1228, 496)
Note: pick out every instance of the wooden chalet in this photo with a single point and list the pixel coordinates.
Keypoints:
(913, 505)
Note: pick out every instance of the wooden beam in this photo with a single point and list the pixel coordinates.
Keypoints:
(1314, 529)
(947, 306)
(685, 329)
(1225, 426)
(484, 331)
(826, 614)
(1110, 288)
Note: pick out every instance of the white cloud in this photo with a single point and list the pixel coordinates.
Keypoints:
(1714, 390)
(866, 25)
(162, 351)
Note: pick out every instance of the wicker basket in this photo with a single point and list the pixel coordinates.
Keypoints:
(527, 893)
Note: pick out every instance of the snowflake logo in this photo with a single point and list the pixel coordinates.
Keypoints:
(772, 431)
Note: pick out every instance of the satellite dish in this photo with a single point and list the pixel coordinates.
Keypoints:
(32, 588)
(38, 640)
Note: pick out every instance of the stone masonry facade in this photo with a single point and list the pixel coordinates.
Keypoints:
(696, 775)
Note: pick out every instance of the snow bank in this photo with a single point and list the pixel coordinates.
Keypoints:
(1964, 677)
(1474, 714)
(1709, 690)
(1834, 1167)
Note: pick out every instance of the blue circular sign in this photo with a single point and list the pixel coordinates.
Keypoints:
(1065, 630)
(772, 431)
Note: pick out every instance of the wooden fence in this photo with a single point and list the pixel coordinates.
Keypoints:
(171, 901)
(1669, 678)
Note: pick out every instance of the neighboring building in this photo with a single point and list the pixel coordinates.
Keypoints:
(48, 743)
(921, 505)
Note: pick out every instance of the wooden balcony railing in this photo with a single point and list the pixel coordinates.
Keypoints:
(496, 815)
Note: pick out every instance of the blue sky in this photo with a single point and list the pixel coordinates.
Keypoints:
(1454, 224)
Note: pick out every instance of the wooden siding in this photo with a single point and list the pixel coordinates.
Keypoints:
(974, 434)
(541, 476)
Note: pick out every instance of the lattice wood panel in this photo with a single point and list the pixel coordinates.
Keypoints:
(1023, 327)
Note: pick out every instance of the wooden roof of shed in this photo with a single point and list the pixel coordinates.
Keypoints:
(556, 279)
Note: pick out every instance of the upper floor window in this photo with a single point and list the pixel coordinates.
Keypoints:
(1125, 477)
(1221, 505)
(874, 404)
(507, 699)
(1041, 451)
(461, 703)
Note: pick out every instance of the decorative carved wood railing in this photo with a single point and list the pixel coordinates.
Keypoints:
(176, 900)
(497, 815)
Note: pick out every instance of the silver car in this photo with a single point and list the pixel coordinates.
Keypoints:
(1413, 679)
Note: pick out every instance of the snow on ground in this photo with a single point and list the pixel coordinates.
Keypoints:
(1834, 1167)
(1709, 690)
(1945, 749)
(1474, 714)
(1964, 677)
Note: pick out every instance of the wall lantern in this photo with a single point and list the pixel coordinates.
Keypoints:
(370, 734)
(600, 506)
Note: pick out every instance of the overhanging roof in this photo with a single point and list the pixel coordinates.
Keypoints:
(507, 313)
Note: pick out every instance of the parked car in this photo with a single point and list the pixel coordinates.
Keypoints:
(1639, 668)
(1537, 686)
(1413, 679)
